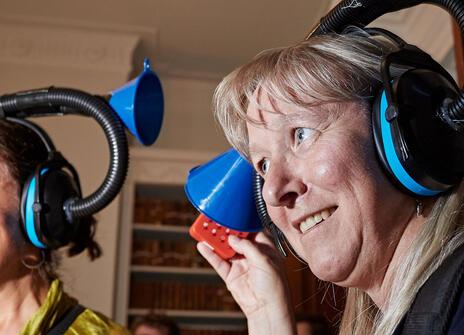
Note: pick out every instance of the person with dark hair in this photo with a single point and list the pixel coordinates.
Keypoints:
(153, 324)
(32, 299)
(311, 325)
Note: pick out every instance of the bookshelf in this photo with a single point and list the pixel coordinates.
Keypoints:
(159, 269)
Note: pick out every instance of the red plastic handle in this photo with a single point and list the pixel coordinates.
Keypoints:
(214, 235)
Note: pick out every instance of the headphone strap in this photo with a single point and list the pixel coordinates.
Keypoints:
(414, 57)
(46, 140)
(387, 34)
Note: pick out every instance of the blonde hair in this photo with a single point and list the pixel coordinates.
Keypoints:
(341, 68)
(326, 69)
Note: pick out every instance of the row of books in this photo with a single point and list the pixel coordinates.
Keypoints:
(181, 295)
(167, 253)
(165, 212)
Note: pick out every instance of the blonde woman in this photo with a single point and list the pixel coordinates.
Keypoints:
(301, 115)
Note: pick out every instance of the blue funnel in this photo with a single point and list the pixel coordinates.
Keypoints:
(222, 189)
(140, 104)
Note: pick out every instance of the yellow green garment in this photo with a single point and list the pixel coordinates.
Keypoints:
(57, 304)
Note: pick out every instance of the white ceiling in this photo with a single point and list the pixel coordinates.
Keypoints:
(211, 37)
(201, 36)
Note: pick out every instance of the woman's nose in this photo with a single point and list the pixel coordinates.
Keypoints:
(282, 187)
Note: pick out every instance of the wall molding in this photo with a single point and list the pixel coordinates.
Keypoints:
(56, 22)
(67, 47)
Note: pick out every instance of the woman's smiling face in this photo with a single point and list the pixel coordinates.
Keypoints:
(325, 189)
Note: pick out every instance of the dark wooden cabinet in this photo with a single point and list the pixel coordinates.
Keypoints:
(160, 270)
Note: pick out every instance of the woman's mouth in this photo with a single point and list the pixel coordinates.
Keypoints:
(315, 219)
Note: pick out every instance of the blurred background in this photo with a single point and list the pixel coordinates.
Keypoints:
(149, 261)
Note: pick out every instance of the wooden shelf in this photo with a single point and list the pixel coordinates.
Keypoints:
(223, 318)
(186, 274)
(159, 231)
(157, 187)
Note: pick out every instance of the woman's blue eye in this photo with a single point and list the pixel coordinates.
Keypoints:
(264, 166)
(302, 134)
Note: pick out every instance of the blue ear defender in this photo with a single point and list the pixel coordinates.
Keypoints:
(421, 154)
(54, 181)
(30, 225)
(418, 116)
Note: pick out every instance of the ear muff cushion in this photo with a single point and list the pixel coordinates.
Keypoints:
(53, 229)
(436, 149)
(388, 153)
(417, 148)
(58, 186)
(30, 226)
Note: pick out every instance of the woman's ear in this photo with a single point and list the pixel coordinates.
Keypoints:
(31, 257)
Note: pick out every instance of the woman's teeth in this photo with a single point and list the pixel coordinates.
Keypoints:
(315, 219)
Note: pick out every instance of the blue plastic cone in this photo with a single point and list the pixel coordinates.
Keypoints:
(222, 189)
(140, 105)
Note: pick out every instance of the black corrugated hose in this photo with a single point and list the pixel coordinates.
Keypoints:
(277, 235)
(362, 12)
(36, 103)
(263, 215)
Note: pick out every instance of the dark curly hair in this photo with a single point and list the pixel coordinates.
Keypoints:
(21, 150)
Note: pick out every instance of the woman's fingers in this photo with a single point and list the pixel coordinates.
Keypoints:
(221, 266)
(259, 252)
(249, 249)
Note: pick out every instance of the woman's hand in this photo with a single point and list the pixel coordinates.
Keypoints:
(256, 278)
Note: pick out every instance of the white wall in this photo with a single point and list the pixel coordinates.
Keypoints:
(188, 122)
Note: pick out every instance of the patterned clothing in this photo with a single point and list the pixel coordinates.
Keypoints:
(57, 305)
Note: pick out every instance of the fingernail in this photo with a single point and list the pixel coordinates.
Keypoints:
(233, 239)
